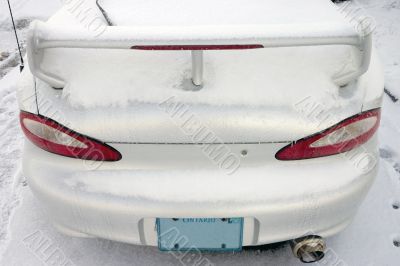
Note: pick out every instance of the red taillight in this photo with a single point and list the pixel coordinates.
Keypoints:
(197, 47)
(342, 137)
(53, 137)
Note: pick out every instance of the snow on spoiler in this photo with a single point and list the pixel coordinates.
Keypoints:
(43, 36)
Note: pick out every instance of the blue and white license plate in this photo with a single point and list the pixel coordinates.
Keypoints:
(205, 234)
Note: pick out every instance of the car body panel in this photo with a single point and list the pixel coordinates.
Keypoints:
(168, 169)
(280, 200)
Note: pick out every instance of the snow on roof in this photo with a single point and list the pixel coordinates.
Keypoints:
(221, 12)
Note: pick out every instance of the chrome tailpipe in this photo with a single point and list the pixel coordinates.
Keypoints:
(308, 249)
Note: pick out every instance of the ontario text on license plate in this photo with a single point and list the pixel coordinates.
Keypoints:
(205, 234)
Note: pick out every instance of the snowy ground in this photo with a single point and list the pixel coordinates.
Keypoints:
(372, 239)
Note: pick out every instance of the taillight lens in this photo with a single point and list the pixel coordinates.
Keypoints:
(197, 47)
(342, 137)
(54, 137)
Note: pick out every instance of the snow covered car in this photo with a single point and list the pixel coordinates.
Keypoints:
(213, 126)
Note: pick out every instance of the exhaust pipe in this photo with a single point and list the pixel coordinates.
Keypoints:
(308, 249)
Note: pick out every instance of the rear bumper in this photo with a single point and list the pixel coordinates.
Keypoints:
(279, 200)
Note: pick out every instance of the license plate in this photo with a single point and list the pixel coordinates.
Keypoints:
(205, 234)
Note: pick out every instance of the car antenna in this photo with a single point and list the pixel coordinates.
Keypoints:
(21, 67)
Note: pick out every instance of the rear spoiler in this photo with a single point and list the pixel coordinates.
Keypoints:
(43, 36)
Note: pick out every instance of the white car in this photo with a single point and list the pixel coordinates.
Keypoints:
(202, 125)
